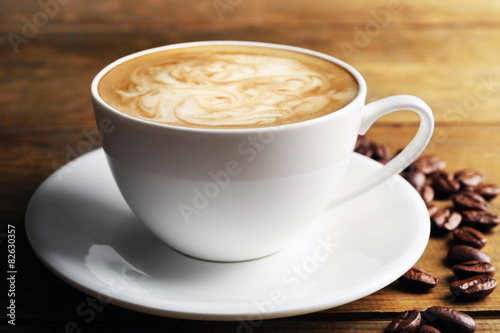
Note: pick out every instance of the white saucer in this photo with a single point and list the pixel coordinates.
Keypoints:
(80, 227)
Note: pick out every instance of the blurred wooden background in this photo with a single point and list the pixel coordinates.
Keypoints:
(446, 52)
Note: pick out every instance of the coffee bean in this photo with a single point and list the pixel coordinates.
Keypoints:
(480, 219)
(427, 329)
(466, 200)
(408, 321)
(469, 236)
(444, 184)
(487, 191)
(428, 164)
(381, 153)
(361, 140)
(473, 268)
(469, 177)
(446, 220)
(364, 146)
(463, 253)
(449, 320)
(416, 178)
(474, 287)
(427, 194)
(432, 209)
(419, 279)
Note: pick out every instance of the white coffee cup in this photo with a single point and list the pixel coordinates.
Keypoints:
(241, 194)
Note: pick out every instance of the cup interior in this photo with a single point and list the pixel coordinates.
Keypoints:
(360, 97)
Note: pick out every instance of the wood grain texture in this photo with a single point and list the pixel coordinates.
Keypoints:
(445, 52)
(465, 90)
(154, 15)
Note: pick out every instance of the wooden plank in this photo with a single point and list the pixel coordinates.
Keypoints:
(217, 15)
(55, 71)
(274, 326)
(443, 51)
(266, 326)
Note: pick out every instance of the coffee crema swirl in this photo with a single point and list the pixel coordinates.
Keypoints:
(227, 86)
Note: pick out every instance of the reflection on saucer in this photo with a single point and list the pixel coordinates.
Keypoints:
(112, 269)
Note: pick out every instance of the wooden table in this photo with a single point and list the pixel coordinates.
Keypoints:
(446, 52)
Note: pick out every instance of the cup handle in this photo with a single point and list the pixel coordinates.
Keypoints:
(371, 113)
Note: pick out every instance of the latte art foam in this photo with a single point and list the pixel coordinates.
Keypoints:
(227, 86)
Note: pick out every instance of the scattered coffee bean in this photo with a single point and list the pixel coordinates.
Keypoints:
(469, 177)
(427, 194)
(469, 236)
(463, 253)
(428, 164)
(419, 279)
(427, 329)
(466, 200)
(444, 184)
(446, 220)
(474, 287)
(361, 140)
(480, 219)
(416, 178)
(487, 191)
(449, 320)
(408, 321)
(473, 268)
(381, 153)
(432, 209)
(364, 146)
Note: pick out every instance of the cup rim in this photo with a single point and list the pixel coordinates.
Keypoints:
(360, 97)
